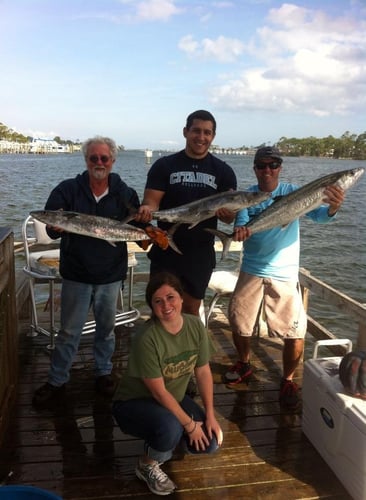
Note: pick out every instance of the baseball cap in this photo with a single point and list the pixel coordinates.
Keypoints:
(267, 151)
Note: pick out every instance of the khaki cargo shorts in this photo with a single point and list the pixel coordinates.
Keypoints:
(282, 307)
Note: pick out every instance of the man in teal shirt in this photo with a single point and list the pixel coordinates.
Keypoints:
(269, 275)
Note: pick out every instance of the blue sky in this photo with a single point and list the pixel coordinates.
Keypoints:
(134, 70)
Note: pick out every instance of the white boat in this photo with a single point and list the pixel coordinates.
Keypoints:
(42, 146)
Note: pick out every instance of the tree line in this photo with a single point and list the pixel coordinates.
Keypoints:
(350, 146)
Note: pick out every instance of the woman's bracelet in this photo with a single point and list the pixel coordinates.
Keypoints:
(194, 428)
(185, 425)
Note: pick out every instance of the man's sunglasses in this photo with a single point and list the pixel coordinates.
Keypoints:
(274, 165)
(95, 158)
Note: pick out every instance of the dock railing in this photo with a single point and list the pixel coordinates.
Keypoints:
(340, 302)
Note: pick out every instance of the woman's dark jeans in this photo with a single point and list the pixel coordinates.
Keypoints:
(158, 427)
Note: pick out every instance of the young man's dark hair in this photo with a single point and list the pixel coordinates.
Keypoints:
(201, 114)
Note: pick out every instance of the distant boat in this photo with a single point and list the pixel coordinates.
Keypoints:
(148, 156)
(42, 146)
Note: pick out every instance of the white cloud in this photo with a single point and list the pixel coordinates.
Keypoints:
(188, 44)
(223, 49)
(153, 10)
(311, 63)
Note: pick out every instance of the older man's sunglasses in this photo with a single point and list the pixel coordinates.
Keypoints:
(103, 158)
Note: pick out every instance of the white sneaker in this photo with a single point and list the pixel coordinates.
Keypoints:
(156, 479)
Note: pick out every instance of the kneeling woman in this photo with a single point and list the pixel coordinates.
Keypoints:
(150, 401)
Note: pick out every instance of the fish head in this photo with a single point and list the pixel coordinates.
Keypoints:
(58, 218)
(35, 213)
(40, 215)
(248, 198)
(350, 177)
(52, 216)
(262, 196)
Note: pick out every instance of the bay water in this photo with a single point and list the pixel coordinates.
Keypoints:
(334, 253)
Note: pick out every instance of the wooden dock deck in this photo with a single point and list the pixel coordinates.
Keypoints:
(77, 451)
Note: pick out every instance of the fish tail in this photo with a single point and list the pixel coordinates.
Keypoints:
(225, 238)
(132, 211)
(173, 245)
(128, 219)
(171, 232)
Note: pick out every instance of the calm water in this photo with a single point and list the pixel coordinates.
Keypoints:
(334, 253)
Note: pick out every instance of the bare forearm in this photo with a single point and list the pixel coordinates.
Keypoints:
(205, 387)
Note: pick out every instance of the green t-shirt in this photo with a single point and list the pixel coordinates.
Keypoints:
(156, 353)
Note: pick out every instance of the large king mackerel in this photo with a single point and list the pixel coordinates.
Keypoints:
(102, 228)
(293, 205)
(197, 211)
(289, 207)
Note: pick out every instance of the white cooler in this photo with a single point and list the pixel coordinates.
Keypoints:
(334, 422)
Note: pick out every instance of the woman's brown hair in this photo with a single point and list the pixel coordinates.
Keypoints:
(157, 281)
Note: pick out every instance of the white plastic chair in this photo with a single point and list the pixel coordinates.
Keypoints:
(222, 283)
(40, 271)
(34, 235)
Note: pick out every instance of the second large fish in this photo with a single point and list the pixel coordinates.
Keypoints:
(197, 211)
